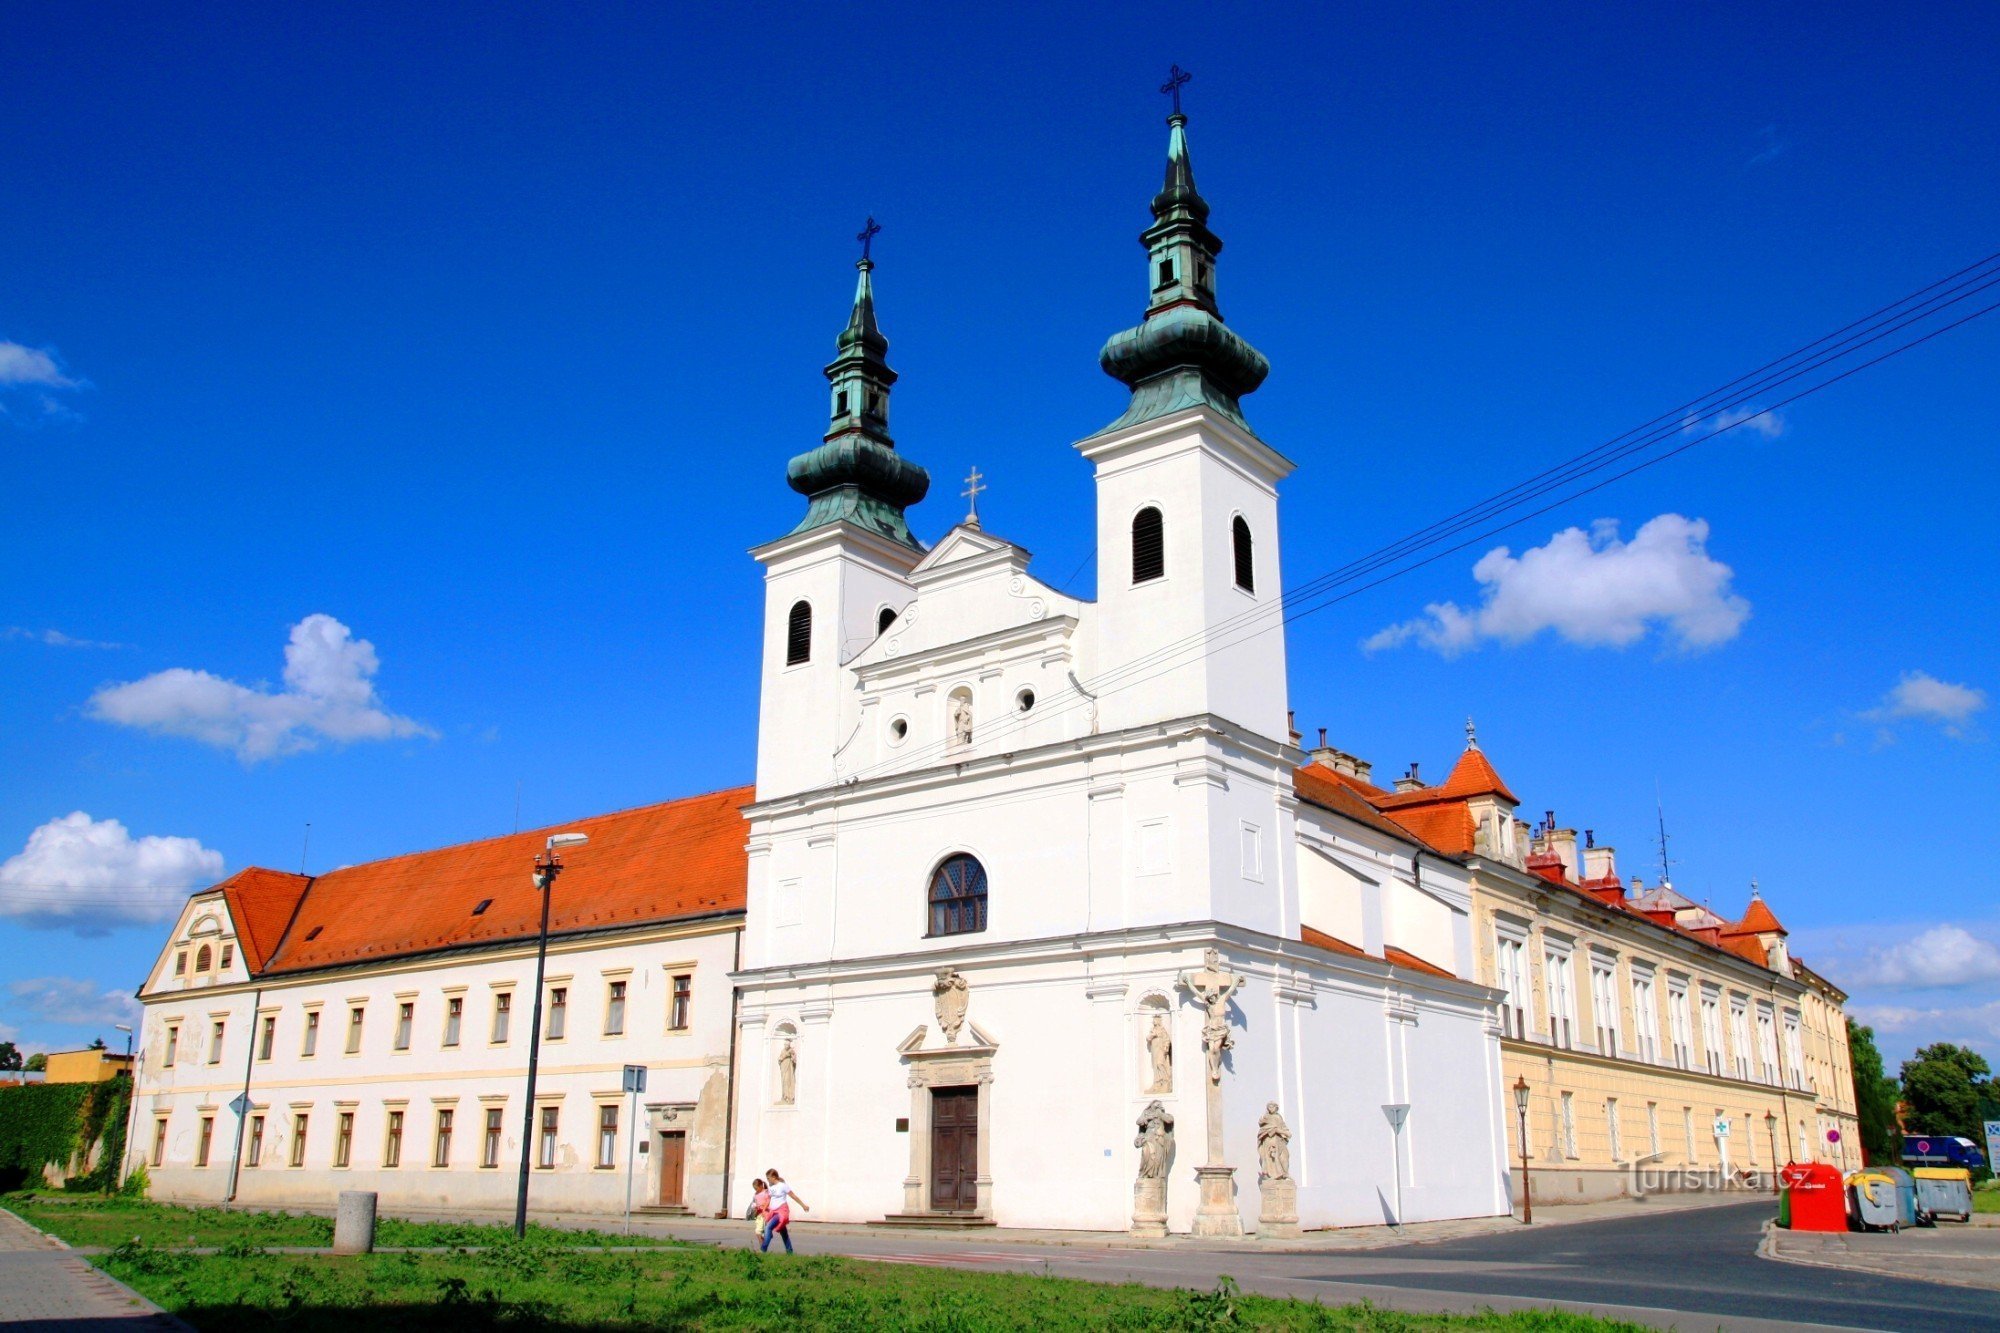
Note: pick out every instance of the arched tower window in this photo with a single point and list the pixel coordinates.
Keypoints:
(799, 634)
(1246, 569)
(1149, 545)
(958, 897)
(202, 958)
(885, 618)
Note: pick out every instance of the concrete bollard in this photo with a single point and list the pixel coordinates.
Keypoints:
(354, 1222)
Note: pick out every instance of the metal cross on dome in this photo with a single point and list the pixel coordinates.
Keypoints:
(1176, 78)
(971, 493)
(869, 231)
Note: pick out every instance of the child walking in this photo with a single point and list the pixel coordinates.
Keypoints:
(760, 1202)
(778, 1217)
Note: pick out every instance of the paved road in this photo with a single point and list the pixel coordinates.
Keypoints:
(1694, 1268)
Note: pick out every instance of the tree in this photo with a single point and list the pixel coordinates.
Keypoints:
(1875, 1095)
(1944, 1085)
(37, 1063)
(10, 1055)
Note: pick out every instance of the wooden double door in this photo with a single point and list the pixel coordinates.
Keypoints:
(954, 1150)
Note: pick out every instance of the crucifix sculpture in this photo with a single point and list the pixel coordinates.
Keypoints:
(1172, 87)
(1212, 988)
(869, 231)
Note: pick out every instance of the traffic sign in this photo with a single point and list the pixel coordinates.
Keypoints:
(1722, 1127)
(635, 1078)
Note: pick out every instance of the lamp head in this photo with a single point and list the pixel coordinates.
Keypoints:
(1521, 1094)
(567, 840)
(122, 1027)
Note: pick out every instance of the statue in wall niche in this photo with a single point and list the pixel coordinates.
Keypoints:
(961, 720)
(1155, 1141)
(1212, 988)
(788, 1072)
(950, 992)
(1160, 1047)
(1274, 1144)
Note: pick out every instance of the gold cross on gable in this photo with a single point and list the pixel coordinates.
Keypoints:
(971, 493)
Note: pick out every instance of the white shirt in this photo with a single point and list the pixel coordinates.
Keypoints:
(781, 1197)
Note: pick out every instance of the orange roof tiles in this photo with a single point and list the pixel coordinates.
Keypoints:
(1404, 958)
(261, 903)
(1757, 920)
(1474, 775)
(1322, 787)
(1447, 827)
(1319, 939)
(656, 863)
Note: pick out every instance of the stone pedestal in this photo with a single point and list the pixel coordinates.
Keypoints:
(1149, 1208)
(1278, 1219)
(354, 1222)
(1216, 1214)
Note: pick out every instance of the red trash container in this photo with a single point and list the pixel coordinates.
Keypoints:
(1815, 1195)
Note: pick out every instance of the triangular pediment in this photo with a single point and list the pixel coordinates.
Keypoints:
(965, 544)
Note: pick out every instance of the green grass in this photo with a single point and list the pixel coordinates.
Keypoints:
(96, 1220)
(1986, 1201)
(546, 1283)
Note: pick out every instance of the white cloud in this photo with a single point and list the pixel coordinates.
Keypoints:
(71, 1002)
(91, 874)
(1940, 956)
(1922, 697)
(1592, 589)
(1768, 424)
(31, 365)
(55, 638)
(329, 694)
(1970, 1024)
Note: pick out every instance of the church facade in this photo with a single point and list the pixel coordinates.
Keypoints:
(1026, 871)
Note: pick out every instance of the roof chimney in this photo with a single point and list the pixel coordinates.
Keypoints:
(1410, 781)
(1598, 862)
(1326, 756)
(1562, 841)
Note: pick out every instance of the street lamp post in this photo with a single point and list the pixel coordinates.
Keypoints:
(1771, 1126)
(131, 1106)
(1521, 1111)
(547, 866)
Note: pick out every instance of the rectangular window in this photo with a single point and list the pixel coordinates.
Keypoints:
(354, 1030)
(255, 1153)
(1645, 1018)
(441, 1150)
(503, 1009)
(1794, 1054)
(299, 1123)
(1680, 1026)
(683, 996)
(1711, 1030)
(173, 1045)
(546, 1154)
(454, 1016)
(1611, 1128)
(268, 1035)
(1568, 1125)
(558, 1012)
(311, 1043)
(1511, 961)
(228, 954)
(1604, 1004)
(1687, 1128)
(215, 1042)
(159, 1140)
(607, 1135)
(1562, 1006)
(614, 1010)
(181, 963)
(392, 1143)
(1739, 1035)
(343, 1138)
(489, 1151)
(406, 1013)
(1653, 1129)
(206, 1140)
(1767, 1045)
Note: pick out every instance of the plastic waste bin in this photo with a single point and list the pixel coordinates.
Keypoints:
(1812, 1198)
(1944, 1191)
(1906, 1195)
(1872, 1193)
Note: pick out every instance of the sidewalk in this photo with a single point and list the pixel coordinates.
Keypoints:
(1964, 1256)
(46, 1285)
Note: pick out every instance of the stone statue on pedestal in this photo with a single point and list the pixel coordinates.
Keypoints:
(788, 1072)
(1160, 1049)
(1278, 1218)
(1155, 1142)
(1274, 1144)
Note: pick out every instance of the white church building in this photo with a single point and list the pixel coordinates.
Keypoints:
(1036, 916)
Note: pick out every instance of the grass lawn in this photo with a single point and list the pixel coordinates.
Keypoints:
(547, 1283)
(1986, 1201)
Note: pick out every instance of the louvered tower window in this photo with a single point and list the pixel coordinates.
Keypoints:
(1246, 570)
(1149, 545)
(799, 634)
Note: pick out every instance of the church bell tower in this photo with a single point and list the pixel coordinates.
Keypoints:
(836, 580)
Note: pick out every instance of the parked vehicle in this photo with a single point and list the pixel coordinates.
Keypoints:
(1941, 1150)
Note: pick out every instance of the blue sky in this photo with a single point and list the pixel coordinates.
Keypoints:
(485, 335)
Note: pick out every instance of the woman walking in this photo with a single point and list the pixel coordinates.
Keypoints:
(778, 1210)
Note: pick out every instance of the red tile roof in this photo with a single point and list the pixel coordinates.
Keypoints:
(1474, 775)
(1319, 939)
(1321, 786)
(1757, 920)
(659, 862)
(261, 903)
(1404, 958)
(1447, 827)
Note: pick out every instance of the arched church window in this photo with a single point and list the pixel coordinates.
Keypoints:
(799, 634)
(202, 959)
(1246, 570)
(1149, 545)
(885, 618)
(958, 897)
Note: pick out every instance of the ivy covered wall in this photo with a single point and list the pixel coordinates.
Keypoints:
(70, 1126)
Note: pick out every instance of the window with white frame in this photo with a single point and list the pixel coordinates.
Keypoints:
(1568, 1125)
(1680, 1023)
(1794, 1052)
(1739, 1034)
(1652, 1129)
(1604, 1002)
(1687, 1128)
(1510, 957)
(1645, 1016)
(1767, 1043)
(1711, 1029)
(1612, 1130)
(1561, 997)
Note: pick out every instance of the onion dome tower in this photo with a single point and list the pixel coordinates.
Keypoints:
(1181, 355)
(856, 476)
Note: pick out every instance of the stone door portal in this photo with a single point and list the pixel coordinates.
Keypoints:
(673, 1168)
(954, 1150)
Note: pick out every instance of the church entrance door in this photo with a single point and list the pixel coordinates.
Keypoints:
(673, 1168)
(954, 1150)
